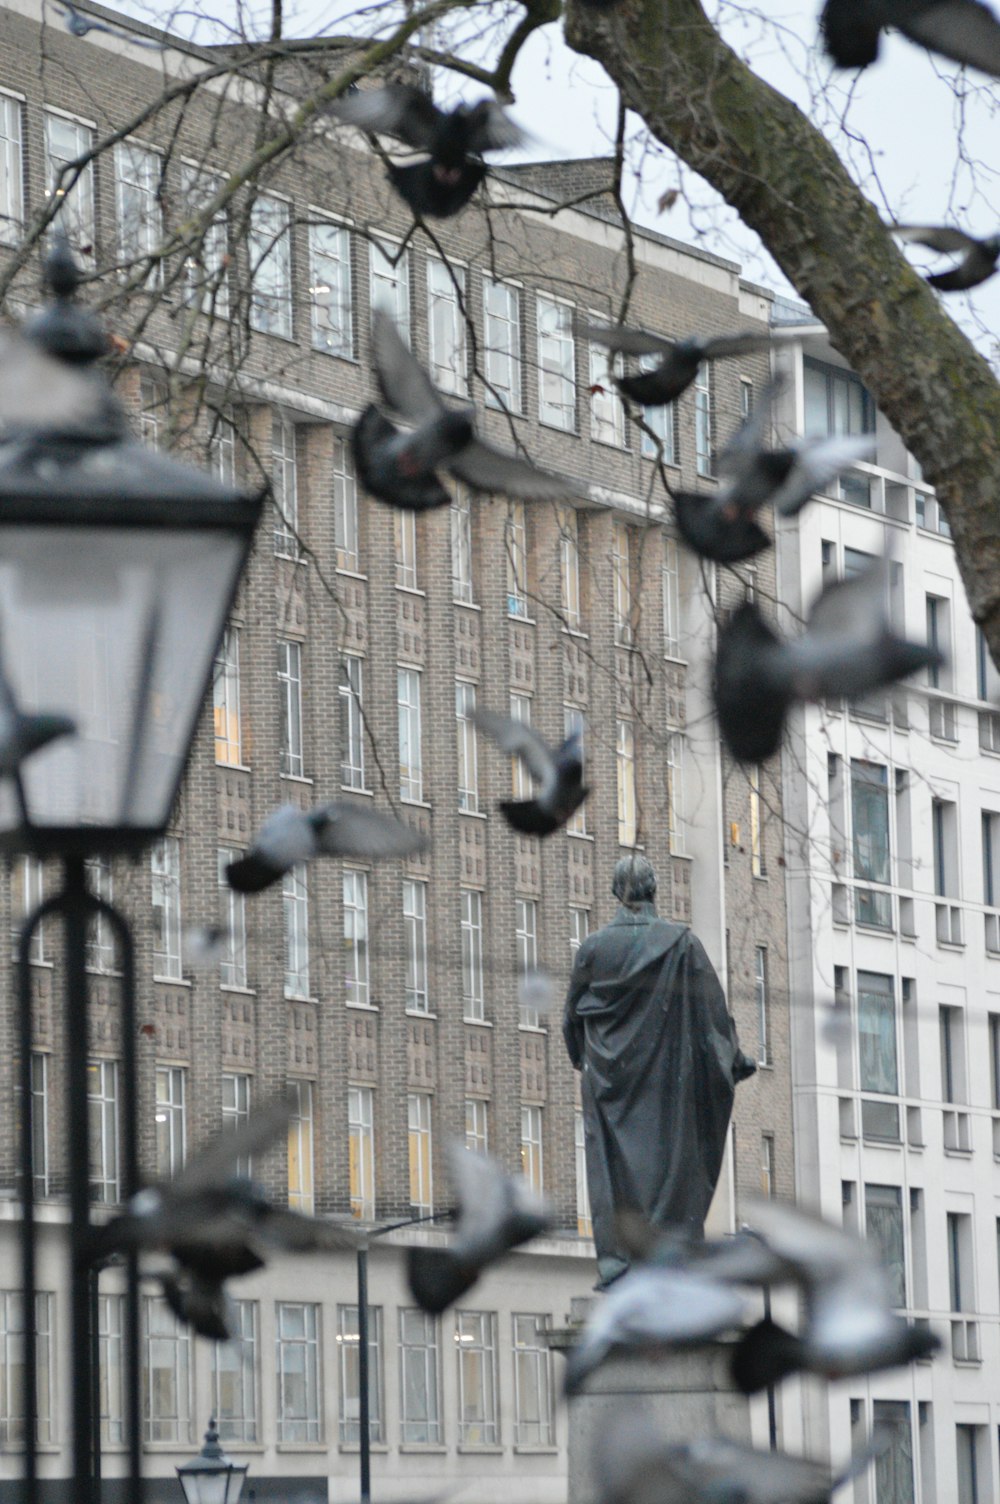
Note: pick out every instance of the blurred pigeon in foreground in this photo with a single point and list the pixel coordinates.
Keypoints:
(848, 648)
(291, 835)
(455, 141)
(653, 1306)
(496, 1212)
(979, 257)
(635, 1465)
(22, 734)
(215, 1225)
(850, 1327)
(558, 772)
(398, 467)
(79, 25)
(963, 30)
(680, 358)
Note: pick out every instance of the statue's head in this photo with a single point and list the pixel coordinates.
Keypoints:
(634, 880)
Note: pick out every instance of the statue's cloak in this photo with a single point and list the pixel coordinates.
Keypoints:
(647, 1025)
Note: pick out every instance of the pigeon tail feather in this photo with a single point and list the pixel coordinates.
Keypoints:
(438, 1278)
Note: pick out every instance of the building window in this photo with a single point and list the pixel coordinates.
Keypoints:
(206, 258)
(991, 859)
(835, 402)
(894, 1465)
(473, 993)
(226, 700)
(138, 188)
(968, 1465)
(154, 415)
(299, 1412)
(11, 168)
(290, 693)
(404, 527)
(27, 892)
(607, 411)
(573, 725)
(767, 1187)
(350, 1375)
(625, 769)
(285, 486)
(330, 288)
(675, 770)
(390, 284)
(884, 1228)
(12, 1417)
(102, 951)
(446, 325)
(870, 819)
(411, 769)
(476, 1341)
(352, 726)
(419, 1379)
(516, 543)
(222, 445)
(269, 245)
(356, 937)
(532, 1166)
(102, 1105)
(671, 600)
(66, 141)
(520, 778)
(418, 1105)
(532, 1383)
(346, 531)
(233, 960)
(461, 547)
(295, 898)
(938, 611)
(468, 754)
(236, 1113)
(758, 859)
(569, 568)
(166, 1390)
(361, 1150)
(624, 600)
(40, 1124)
(944, 838)
(556, 364)
(877, 1055)
(166, 895)
(704, 421)
(502, 345)
(477, 1125)
(659, 433)
(171, 1120)
(526, 939)
(111, 1362)
(300, 1146)
(584, 1220)
(579, 928)
(958, 1226)
(234, 1377)
(415, 942)
(763, 1006)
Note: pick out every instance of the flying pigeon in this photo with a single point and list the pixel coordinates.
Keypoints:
(214, 1225)
(399, 467)
(680, 358)
(850, 1327)
(455, 141)
(848, 648)
(79, 25)
(979, 258)
(496, 1212)
(964, 30)
(558, 772)
(653, 1307)
(291, 835)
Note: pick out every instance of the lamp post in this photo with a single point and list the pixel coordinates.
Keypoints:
(118, 567)
(212, 1477)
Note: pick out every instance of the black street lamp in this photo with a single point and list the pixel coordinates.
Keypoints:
(118, 567)
(212, 1477)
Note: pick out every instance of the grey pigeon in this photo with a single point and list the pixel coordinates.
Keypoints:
(454, 141)
(496, 1212)
(848, 648)
(291, 835)
(979, 257)
(557, 771)
(214, 1225)
(850, 1327)
(964, 30)
(652, 1307)
(680, 358)
(634, 1464)
(399, 467)
(80, 25)
(21, 734)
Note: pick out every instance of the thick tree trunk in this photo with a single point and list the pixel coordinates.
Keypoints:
(786, 182)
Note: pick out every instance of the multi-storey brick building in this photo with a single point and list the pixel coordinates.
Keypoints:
(389, 998)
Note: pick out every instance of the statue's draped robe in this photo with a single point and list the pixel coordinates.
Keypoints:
(647, 1025)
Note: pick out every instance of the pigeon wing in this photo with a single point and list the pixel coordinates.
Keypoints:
(405, 384)
(292, 1232)
(937, 237)
(963, 30)
(488, 469)
(521, 741)
(395, 110)
(349, 830)
(854, 610)
(817, 464)
(492, 129)
(815, 1249)
(214, 1164)
(483, 1196)
(628, 341)
(716, 1467)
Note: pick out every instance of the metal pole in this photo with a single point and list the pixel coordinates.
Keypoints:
(772, 1413)
(365, 1441)
(95, 1369)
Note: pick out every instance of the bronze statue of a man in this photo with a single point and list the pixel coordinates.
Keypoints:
(647, 1026)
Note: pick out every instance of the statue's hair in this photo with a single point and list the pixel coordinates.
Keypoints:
(634, 880)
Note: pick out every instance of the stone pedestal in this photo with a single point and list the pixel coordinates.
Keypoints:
(686, 1394)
